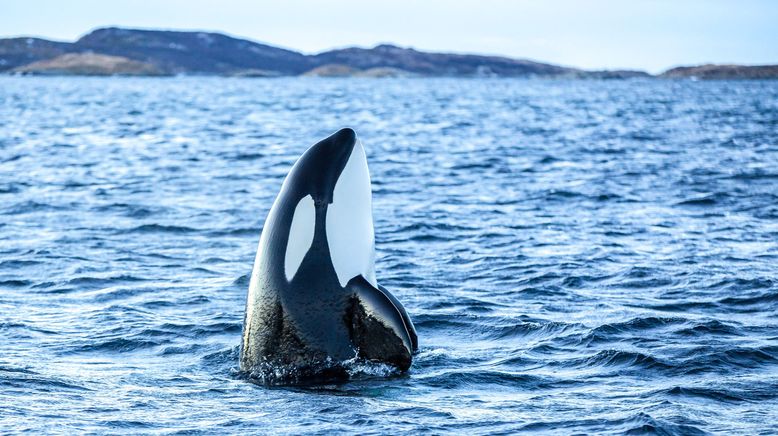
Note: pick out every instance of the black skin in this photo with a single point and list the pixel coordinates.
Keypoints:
(307, 326)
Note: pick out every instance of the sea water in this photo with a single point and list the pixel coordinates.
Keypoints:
(577, 256)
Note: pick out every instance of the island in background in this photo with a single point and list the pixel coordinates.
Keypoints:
(134, 52)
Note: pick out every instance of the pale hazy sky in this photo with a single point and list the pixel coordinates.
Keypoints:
(643, 34)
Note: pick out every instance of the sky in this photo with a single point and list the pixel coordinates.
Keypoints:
(652, 35)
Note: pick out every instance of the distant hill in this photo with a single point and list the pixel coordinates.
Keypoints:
(613, 74)
(718, 72)
(118, 51)
(15, 52)
(437, 64)
(194, 52)
(206, 53)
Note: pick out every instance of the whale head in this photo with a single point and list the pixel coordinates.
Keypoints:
(327, 194)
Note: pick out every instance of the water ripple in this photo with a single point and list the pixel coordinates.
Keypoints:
(577, 256)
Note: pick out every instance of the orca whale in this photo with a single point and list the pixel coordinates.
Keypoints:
(313, 301)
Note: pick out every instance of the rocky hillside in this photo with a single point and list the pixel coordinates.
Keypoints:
(90, 64)
(719, 72)
(15, 52)
(116, 51)
(437, 64)
(194, 52)
(172, 52)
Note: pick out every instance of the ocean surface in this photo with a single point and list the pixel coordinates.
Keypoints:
(577, 256)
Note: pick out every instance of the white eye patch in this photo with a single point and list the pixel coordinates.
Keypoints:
(300, 236)
(350, 221)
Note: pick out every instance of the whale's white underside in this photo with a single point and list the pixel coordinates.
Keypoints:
(349, 225)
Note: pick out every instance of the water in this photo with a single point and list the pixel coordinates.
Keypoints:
(577, 256)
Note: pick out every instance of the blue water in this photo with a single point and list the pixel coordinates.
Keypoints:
(578, 256)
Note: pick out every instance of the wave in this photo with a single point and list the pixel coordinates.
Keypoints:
(137, 211)
(31, 206)
(725, 361)
(621, 359)
(12, 187)
(117, 345)
(15, 283)
(709, 328)
(706, 200)
(25, 379)
(617, 331)
(242, 281)
(525, 329)
(640, 423)
(240, 231)
(454, 379)
(727, 395)
(160, 228)
(25, 327)
(90, 283)
(762, 300)
(741, 284)
(12, 264)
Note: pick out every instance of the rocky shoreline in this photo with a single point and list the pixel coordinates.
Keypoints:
(89, 64)
(132, 52)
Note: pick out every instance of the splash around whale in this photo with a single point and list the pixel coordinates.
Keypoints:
(314, 305)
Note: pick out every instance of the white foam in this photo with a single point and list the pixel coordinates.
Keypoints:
(301, 234)
(350, 221)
